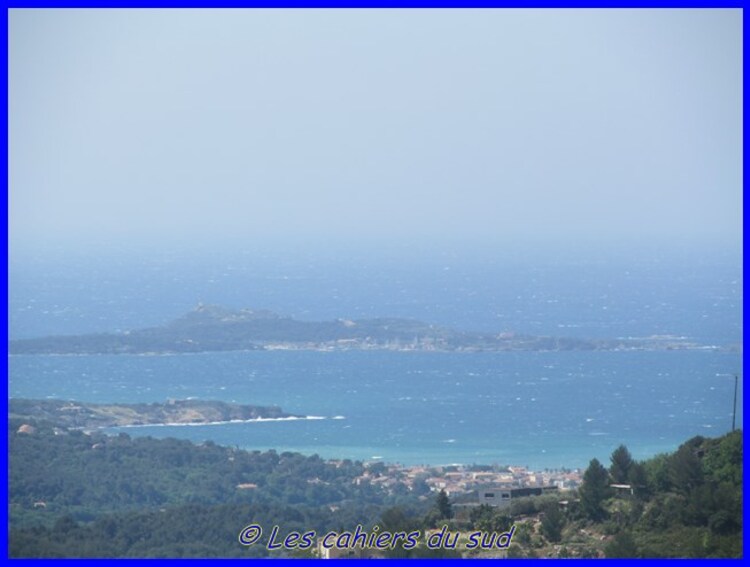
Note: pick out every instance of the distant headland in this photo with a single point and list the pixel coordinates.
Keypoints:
(84, 415)
(212, 328)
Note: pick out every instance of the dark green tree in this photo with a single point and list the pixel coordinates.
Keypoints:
(594, 490)
(638, 479)
(723, 462)
(685, 469)
(553, 522)
(443, 505)
(621, 464)
(420, 487)
(657, 473)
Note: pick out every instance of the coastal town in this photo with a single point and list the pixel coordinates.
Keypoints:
(467, 488)
(470, 484)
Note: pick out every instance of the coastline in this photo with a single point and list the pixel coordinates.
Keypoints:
(227, 422)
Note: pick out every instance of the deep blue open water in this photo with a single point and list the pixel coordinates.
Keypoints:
(535, 409)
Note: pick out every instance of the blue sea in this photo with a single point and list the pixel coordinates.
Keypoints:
(542, 410)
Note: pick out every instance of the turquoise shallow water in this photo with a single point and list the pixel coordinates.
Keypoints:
(535, 409)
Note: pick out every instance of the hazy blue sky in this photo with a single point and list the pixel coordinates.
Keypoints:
(330, 125)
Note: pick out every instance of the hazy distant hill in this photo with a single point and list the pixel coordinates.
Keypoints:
(214, 328)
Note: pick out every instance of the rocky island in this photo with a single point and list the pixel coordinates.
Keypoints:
(82, 415)
(213, 328)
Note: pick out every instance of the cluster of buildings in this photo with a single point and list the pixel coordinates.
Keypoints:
(417, 344)
(466, 485)
(491, 484)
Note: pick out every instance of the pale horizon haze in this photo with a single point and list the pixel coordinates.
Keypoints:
(374, 126)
